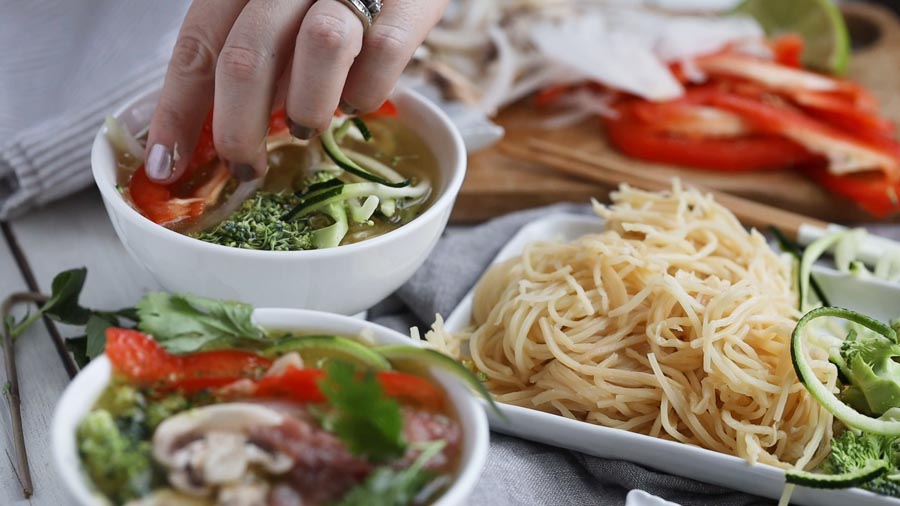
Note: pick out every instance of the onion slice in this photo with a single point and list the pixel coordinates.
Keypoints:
(228, 207)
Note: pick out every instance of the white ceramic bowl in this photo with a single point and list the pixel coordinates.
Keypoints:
(347, 279)
(83, 391)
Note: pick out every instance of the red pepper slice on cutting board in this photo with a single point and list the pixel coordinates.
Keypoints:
(870, 191)
(639, 139)
(844, 152)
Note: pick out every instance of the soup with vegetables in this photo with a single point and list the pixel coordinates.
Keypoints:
(364, 177)
(265, 418)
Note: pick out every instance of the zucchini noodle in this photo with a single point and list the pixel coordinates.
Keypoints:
(846, 251)
(674, 322)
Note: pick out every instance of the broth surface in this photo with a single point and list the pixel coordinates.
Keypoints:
(295, 166)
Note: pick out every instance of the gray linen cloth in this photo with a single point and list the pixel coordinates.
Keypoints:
(65, 65)
(520, 472)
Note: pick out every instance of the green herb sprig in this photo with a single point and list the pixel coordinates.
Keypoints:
(369, 422)
(387, 486)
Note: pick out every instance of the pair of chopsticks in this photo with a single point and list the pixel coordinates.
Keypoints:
(796, 227)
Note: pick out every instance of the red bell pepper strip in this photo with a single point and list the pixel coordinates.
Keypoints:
(872, 192)
(205, 151)
(788, 49)
(161, 203)
(145, 361)
(138, 357)
(773, 76)
(839, 113)
(414, 389)
(845, 153)
(278, 122)
(550, 95)
(682, 118)
(388, 109)
(300, 385)
(749, 153)
(157, 203)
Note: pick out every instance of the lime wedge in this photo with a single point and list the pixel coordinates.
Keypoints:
(316, 351)
(819, 22)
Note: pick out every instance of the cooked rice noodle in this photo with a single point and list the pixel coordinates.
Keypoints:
(673, 322)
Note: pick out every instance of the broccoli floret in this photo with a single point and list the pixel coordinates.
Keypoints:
(852, 450)
(164, 408)
(872, 373)
(257, 224)
(119, 466)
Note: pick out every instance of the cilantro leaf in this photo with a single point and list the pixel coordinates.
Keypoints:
(186, 323)
(363, 417)
(387, 486)
(63, 303)
(96, 335)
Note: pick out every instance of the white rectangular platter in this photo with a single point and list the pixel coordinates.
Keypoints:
(873, 297)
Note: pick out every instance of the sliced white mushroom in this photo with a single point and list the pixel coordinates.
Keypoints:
(208, 447)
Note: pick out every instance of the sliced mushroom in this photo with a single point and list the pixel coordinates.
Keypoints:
(208, 447)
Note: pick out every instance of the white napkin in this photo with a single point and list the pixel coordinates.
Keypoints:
(65, 65)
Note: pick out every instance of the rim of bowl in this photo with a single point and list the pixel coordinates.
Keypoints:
(468, 408)
(445, 200)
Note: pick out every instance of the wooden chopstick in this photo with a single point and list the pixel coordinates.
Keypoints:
(610, 173)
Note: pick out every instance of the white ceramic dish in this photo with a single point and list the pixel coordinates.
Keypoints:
(346, 280)
(83, 391)
(875, 298)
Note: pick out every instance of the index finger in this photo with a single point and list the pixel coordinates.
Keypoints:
(187, 93)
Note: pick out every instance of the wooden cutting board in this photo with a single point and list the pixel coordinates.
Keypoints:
(498, 182)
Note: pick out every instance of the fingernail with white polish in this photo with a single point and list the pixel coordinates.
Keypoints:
(159, 162)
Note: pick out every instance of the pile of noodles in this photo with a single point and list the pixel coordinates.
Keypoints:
(674, 322)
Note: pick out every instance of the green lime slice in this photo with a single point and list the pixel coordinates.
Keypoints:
(819, 22)
(316, 351)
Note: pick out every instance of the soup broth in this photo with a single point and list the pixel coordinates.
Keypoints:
(286, 421)
(364, 178)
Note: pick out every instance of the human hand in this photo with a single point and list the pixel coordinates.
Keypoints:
(249, 57)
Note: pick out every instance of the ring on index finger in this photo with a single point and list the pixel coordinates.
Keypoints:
(366, 10)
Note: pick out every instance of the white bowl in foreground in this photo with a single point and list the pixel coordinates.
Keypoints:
(347, 279)
(81, 394)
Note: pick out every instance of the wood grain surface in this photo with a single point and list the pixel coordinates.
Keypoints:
(501, 180)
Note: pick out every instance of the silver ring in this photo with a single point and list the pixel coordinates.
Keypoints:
(374, 7)
(362, 10)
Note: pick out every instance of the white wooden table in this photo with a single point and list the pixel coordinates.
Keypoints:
(72, 233)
